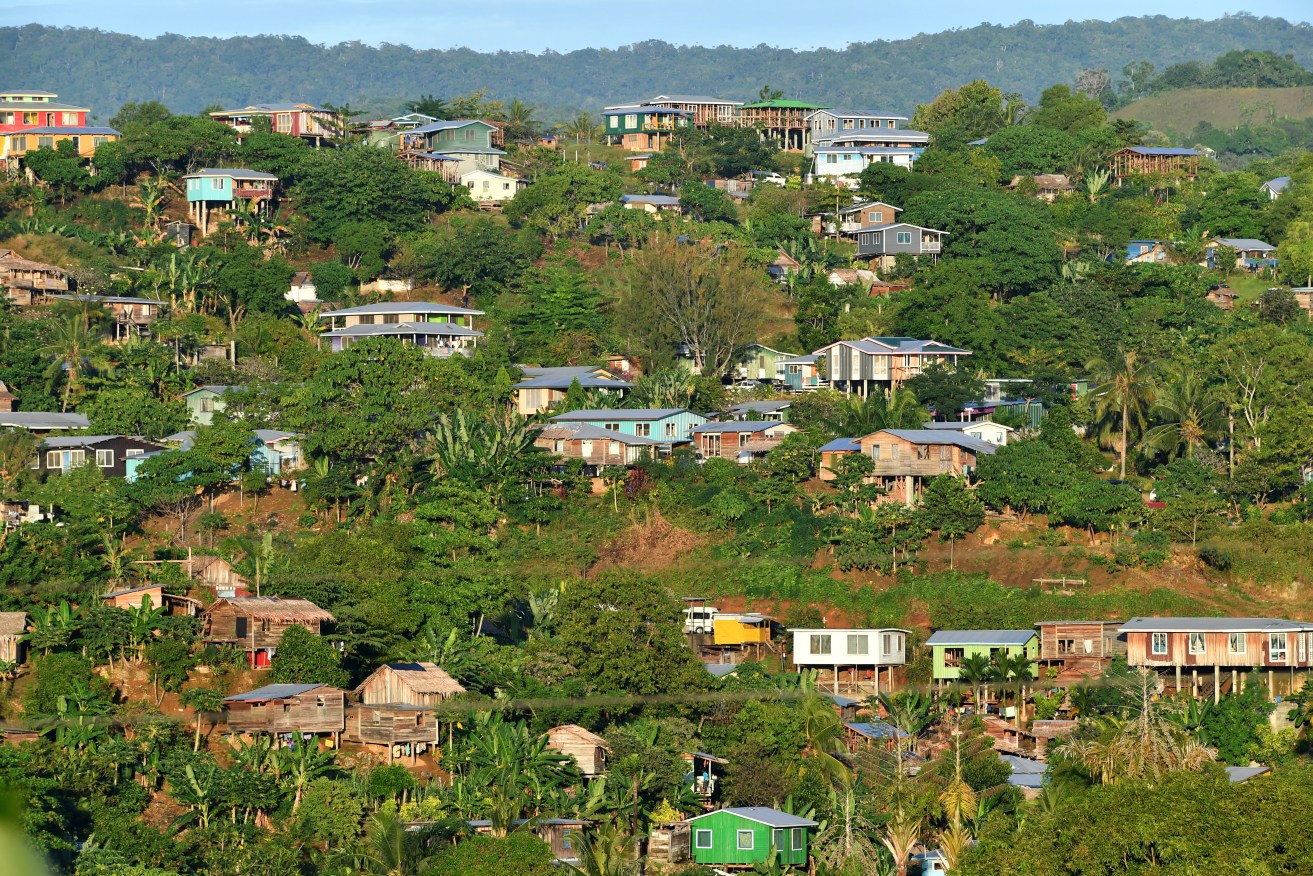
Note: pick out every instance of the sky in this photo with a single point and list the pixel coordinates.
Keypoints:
(565, 25)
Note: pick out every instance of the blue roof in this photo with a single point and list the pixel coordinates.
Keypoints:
(272, 692)
(875, 729)
(53, 129)
(842, 445)
(763, 815)
(619, 415)
(980, 637)
(1278, 184)
(658, 200)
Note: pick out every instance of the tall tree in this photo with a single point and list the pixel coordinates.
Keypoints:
(1123, 392)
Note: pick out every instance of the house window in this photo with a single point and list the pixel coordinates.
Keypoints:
(614, 448)
(367, 320)
(68, 118)
(133, 452)
(831, 159)
(670, 430)
(283, 123)
(745, 840)
(1197, 643)
(893, 452)
(469, 135)
(631, 120)
(702, 839)
(615, 121)
(20, 144)
(54, 459)
(799, 836)
(216, 183)
(953, 657)
(614, 427)
(1276, 647)
(565, 839)
(820, 643)
(643, 430)
(1158, 645)
(876, 216)
(1236, 643)
(207, 405)
(105, 458)
(904, 237)
(391, 318)
(743, 439)
(875, 452)
(858, 644)
(45, 142)
(320, 703)
(1066, 646)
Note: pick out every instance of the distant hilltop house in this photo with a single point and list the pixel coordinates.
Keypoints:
(643, 128)
(1048, 186)
(883, 363)
(1146, 160)
(302, 120)
(844, 143)
(543, 387)
(1249, 254)
(786, 123)
(454, 147)
(109, 453)
(31, 120)
(227, 189)
(439, 329)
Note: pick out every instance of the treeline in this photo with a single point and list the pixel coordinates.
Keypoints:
(105, 70)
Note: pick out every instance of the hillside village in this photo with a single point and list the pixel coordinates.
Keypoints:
(718, 484)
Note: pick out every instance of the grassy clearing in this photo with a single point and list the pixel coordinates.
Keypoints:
(1178, 112)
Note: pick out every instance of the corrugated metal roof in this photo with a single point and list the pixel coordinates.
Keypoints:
(658, 200)
(1162, 150)
(89, 440)
(980, 637)
(739, 426)
(1246, 243)
(1277, 184)
(875, 729)
(389, 329)
(936, 436)
(272, 692)
(589, 432)
(78, 131)
(234, 172)
(385, 307)
(44, 420)
(449, 125)
(763, 815)
(1212, 625)
(759, 407)
(963, 426)
(619, 415)
(13, 623)
(842, 445)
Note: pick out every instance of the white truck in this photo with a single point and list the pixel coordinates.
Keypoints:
(700, 618)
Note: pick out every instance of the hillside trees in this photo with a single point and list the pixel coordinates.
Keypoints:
(337, 187)
(699, 296)
(959, 115)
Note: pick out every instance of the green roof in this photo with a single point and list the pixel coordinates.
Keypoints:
(783, 104)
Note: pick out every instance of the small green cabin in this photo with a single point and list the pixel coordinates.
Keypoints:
(950, 647)
(745, 835)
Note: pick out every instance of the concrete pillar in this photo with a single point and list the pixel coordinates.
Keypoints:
(877, 680)
(836, 679)
(1271, 684)
(1194, 682)
(1235, 688)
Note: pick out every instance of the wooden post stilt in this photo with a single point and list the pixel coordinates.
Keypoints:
(1217, 685)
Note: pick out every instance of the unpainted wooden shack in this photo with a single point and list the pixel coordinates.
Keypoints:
(287, 708)
(13, 624)
(587, 748)
(256, 624)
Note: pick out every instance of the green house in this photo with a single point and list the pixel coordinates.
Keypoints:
(204, 401)
(951, 647)
(745, 835)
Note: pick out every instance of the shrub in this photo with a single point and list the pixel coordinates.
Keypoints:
(1215, 558)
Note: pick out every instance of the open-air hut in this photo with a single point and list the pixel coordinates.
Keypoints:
(256, 624)
(12, 626)
(587, 748)
(287, 708)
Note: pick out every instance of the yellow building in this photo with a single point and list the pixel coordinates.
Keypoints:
(741, 629)
(32, 120)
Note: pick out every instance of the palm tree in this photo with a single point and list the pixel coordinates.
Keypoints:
(901, 834)
(388, 849)
(203, 701)
(1123, 393)
(1013, 671)
(1144, 748)
(857, 416)
(583, 128)
(975, 670)
(72, 348)
(520, 123)
(608, 851)
(846, 841)
(959, 802)
(823, 732)
(1188, 415)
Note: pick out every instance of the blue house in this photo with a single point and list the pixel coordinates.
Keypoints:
(227, 188)
(673, 425)
(205, 401)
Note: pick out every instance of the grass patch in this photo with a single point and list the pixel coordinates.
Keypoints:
(1178, 112)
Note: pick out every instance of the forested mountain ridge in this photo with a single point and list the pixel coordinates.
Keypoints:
(105, 70)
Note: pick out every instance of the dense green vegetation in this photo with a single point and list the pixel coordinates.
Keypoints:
(433, 529)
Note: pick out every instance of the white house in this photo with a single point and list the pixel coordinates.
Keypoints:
(983, 430)
(302, 289)
(490, 186)
(837, 161)
(862, 652)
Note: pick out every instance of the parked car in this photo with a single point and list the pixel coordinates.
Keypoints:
(768, 176)
(700, 618)
(747, 384)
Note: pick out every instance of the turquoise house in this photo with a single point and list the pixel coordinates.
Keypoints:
(672, 425)
(747, 835)
(224, 189)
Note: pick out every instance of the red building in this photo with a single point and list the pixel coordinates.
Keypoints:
(34, 119)
(293, 119)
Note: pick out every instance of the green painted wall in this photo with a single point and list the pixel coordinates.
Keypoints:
(950, 673)
(724, 827)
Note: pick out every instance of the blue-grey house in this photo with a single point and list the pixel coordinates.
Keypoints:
(882, 243)
(672, 425)
(204, 401)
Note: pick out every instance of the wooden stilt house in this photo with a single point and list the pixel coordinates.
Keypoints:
(13, 624)
(287, 708)
(397, 708)
(256, 624)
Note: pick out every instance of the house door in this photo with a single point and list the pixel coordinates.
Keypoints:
(241, 628)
